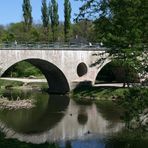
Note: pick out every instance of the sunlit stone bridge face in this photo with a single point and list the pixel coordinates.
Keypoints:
(63, 66)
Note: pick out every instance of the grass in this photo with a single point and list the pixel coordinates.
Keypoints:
(41, 85)
(6, 83)
(98, 93)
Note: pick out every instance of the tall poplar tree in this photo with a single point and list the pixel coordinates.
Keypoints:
(54, 18)
(67, 16)
(45, 17)
(27, 9)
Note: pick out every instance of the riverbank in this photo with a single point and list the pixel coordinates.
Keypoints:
(13, 84)
(16, 104)
(132, 101)
(9, 84)
(94, 94)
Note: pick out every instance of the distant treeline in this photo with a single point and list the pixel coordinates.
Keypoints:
(50, 29)
(16, 31)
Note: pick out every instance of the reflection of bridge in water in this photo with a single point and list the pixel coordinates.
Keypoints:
(70, 126)
(64, 66)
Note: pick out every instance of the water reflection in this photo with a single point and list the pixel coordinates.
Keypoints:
(82, 116)
(55, 118)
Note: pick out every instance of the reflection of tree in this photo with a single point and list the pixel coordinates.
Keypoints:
(127, 139)
(135, 101)
(109, 110)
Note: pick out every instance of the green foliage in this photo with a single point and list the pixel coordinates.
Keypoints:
(45, 18)
(45, 14)
(97, 93)
(134, 101)
(23, 69)
(67, 16)
(54, 18)
(109, 110)
(49, 30)
(15, 31)
(118, 71)
(121, 26)
(83, 28)
(27, 9)
(91, 9)
(5, 83)
(7, 36)
(126, 32)
(127, 139)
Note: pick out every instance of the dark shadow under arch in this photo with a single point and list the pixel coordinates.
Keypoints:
(56, 79)
(115, 72)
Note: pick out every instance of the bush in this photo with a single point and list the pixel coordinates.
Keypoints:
(22, 69)
(134, 101)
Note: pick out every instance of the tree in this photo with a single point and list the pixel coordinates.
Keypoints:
(27, 9)
(83, 29)
(54, 18)
(45, 17)
(126, 35)
(135, 103)
(121, 26)
(21, 35)
(67, 15)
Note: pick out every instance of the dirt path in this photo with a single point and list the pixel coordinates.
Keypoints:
(25, 80)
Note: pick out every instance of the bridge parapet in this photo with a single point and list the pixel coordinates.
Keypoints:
(48, 46)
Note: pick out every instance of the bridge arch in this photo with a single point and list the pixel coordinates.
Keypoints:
(99, 68)
(111, 71)
(56, 79)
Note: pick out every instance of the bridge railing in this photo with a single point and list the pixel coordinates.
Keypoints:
(61, 46)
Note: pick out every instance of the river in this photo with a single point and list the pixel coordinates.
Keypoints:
(58, 121)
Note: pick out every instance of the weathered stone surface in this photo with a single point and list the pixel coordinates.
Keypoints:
(58, 66)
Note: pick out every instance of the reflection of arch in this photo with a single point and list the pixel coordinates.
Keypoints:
(56, 79)
(48, 112)
(82, 118)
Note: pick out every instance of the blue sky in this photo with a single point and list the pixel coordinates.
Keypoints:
(11, 10)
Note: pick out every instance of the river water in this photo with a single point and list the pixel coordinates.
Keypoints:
(60, 120)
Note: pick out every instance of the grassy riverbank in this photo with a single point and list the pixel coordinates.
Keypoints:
(7, 85)
(5, 103)
(133, 102)
(90, 94)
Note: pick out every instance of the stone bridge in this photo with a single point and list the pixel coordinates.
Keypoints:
(64, 68)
